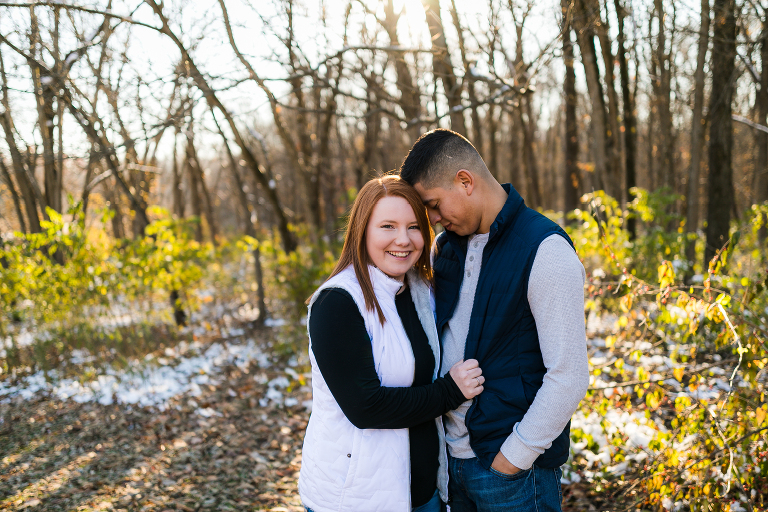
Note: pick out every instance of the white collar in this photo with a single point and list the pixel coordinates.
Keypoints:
(382, 283)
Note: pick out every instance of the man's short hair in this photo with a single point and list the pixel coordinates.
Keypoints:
(436, 158)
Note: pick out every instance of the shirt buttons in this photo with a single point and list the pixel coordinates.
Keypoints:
(471, 258)
(474, 245)
(469, 274)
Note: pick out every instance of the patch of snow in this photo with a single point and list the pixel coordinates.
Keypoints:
(207, 412)
(147, 386)
(274, 322)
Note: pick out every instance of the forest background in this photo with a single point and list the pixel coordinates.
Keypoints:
(174, 178)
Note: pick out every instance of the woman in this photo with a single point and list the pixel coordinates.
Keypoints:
(375, 440)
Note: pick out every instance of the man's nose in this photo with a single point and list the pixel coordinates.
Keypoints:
(434, 217)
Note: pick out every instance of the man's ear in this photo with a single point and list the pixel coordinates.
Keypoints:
(465, 180)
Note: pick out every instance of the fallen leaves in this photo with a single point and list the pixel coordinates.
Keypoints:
(116, 457)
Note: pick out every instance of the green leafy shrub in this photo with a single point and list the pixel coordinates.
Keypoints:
(72, 287)
(676, 413)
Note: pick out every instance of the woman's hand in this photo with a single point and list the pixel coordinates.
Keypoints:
(469, 377)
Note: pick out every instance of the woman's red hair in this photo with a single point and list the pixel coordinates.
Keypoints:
(354, 251)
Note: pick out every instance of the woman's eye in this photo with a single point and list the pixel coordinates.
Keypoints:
(413, 227)
(387, 226)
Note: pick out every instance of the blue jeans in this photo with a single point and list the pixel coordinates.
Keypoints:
(432, 505)
(476, 489)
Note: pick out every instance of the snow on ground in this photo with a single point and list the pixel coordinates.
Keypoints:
(156, 380)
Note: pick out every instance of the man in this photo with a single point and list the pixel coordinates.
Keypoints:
(509, 292)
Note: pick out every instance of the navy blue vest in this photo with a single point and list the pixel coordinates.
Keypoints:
(502, 332)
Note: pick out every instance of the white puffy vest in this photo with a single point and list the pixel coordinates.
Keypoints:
(368, 470)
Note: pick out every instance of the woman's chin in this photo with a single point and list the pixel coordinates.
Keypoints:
(396, 271)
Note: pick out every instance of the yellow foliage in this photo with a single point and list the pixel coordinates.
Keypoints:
(760, 415)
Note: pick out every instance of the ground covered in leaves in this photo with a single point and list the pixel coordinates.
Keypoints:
(229, 448)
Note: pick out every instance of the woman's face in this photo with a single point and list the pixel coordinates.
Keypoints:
(392, 238)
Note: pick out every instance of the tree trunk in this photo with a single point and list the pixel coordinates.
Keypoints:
(513, 170)
(248, 224)
(585, 36)
(179, 315)
(762, 100)
(653, 109)
(113, 201)
(17, 160)
(571, 144)
(177, 193)
(443, 68)
(323, 168)
(194, 189)
(43, 85)
(366, 160)
(664, 91)
(410, 94)
(697, 134)
(6, 176)
(533, 191)
(475, 136)
(721, 193)
(93, 164)
(630, 123)
(613, 149)
(19, 169)
(493, 142)
(199, 179)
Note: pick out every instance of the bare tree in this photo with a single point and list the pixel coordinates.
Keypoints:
(5, 177)
(288, 241)
(697, 132)
(23, 174)
(248, 221)
(442, 66)
(662, 89)
(761, 192)
(410, 93)
(721, 194)
(45, 96)
(571, 176)
(630, 120)
(585, 17)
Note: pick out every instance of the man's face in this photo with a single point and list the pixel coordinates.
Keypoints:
(451, 207)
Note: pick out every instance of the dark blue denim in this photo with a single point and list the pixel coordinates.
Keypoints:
(432, 505)
(475, 489)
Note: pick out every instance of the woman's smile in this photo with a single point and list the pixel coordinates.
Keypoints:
(393, 239)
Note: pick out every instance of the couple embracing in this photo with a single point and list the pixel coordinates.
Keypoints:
(444, 372)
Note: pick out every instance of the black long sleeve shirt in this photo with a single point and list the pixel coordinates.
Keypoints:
(343, 352)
